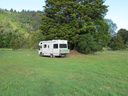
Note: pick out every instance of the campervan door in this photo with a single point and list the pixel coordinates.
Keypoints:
(46, 48)
(55, 49)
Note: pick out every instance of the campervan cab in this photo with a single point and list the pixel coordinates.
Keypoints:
(53, 48)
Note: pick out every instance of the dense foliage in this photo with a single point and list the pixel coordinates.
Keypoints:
(87, 44)
(113, 27)
(124, 34)
(117, 43)
(17, 28)
(81, 22)
(96, 39)
(69, 19)
(101, 32)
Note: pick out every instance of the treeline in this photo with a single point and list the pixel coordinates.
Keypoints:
(28, 20)
(120, 40)
(82, 23)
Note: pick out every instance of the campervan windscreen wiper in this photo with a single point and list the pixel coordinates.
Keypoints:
(63, 45)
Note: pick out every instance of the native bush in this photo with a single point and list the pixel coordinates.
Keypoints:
(87, 44)
(117, 43)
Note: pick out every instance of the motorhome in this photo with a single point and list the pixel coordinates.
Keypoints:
(53, 48)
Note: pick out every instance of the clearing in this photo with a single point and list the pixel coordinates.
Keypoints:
(25, 73)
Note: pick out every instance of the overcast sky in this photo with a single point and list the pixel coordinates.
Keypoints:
(118, 9)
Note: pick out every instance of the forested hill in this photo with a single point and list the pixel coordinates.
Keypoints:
(25, 21)
(20, 29)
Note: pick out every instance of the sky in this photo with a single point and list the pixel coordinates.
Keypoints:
(19, 5)
(118, 9)
(118, 12)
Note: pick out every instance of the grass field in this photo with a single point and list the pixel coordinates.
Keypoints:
(24, 73)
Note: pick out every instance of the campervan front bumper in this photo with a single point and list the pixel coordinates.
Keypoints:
(64, 51)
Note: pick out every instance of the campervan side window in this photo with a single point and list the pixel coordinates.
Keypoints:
(45, 46)
(55, 46)
(63, 45)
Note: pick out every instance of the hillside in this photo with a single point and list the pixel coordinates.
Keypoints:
(19, 29)
(25, 22)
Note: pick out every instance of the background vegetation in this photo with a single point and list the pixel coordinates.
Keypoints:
(70, 20)
(20, 29)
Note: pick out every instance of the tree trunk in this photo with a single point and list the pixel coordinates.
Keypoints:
(75, 46)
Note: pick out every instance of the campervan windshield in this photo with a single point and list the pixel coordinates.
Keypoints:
(63, 45)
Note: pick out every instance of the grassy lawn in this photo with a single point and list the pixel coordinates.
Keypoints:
(24, 73)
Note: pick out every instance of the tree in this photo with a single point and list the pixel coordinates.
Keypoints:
(23, 10)
(6, 33)
(15, 42)
(14, 10)
(6, 41)
(113, 27)
(11, 10)
(34, 39)
(5, 9)
(69, 19)
(117, 43)
(124, 34)
(28, 28)
(1, 41)
(87, 44)
(101, 32)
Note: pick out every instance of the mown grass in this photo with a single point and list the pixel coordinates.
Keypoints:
(24, 73)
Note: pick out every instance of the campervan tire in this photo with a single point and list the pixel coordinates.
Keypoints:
(51, 55)
(41, 54)
(63, 56)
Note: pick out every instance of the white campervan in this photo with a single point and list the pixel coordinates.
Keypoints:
(53, 48)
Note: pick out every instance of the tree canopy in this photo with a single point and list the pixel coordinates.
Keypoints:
(87, 44)
(68, 19)
(113, 27)
(117, 43)
(124, 34)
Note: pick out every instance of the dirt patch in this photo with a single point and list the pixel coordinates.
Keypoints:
(74, 52)
(105, 87)
(8, 68)
(28, 55)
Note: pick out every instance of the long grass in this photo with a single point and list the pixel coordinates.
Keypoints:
(24, 73)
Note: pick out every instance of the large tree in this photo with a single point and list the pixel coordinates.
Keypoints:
(113, 27)
(87, 44)
(68, 19)
(117, 43)
(101, 32)
(124, 34)
(96, 39)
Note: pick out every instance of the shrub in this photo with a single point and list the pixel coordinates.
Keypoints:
(87, 44)
(117, 43)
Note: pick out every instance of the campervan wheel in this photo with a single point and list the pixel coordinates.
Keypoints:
(52, 56)
(41, 54)
(63, 56)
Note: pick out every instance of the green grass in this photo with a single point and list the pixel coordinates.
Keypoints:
(24, 73)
